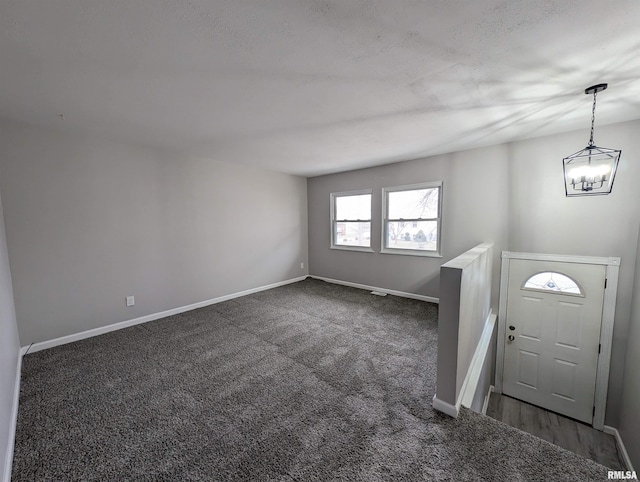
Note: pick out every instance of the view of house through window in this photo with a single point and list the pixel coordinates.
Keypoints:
(412, 218)
(352, 219)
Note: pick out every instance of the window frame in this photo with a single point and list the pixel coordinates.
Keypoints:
(385, 209)
(333, 221)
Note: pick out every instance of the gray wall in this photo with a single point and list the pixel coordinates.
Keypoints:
(475, 306)
(90, 222)
(510, 194)
(630, 413)
(9, 351)
(474, 203)
(463, 312)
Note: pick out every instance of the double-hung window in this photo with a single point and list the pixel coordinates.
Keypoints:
(411, 219)
(351, 220)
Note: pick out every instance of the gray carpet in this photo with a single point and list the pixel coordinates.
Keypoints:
(310, 381)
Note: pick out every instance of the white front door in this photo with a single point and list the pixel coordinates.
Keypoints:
(552, 336)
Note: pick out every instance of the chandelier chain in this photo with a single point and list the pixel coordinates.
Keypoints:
(593, 117)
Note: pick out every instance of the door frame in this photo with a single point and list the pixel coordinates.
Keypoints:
(606, 331)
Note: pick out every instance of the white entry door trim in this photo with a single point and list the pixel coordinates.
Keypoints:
(606, 333)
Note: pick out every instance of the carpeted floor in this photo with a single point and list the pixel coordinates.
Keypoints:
(309, 381)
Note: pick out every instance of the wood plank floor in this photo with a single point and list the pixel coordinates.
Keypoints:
(565, 432)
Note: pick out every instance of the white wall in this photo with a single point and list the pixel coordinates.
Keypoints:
(543, 220)
(9, 354)
(90, 222)
(629, 426)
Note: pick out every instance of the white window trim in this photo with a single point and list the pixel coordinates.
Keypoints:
(411, 252)
(342, 247)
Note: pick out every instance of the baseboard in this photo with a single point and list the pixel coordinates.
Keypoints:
(376, 288)
(446, 408)
(623, 450)
(487, 397)
(8, 459)
(34, 347)
(472, 379)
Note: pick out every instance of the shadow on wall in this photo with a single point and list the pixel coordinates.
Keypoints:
(429, 284)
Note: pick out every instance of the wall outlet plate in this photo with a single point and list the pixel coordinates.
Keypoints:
(131, 300)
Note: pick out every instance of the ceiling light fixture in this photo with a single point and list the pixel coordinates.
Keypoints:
(591, 171)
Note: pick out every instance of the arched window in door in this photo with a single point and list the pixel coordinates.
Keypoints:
(552, 281)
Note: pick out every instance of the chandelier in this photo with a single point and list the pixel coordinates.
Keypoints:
(591, 171)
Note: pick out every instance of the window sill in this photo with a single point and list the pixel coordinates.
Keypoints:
(360, 249)
(407, 252)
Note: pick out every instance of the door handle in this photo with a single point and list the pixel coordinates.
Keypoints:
(511, 337)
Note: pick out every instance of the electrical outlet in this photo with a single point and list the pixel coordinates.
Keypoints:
(131, 300)
(301, 265)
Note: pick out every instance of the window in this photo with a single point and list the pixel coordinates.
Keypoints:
(411, 219)
(351, 220)
(550, 281)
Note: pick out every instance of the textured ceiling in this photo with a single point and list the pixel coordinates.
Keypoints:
(312, 87)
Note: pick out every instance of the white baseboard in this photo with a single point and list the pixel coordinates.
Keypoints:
(446, 408)
(43, 345)
(376, 288)
(621, 448)
(8, 459)
(472, 379)
(485, 405)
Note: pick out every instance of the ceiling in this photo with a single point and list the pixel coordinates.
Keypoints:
(313, 87)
